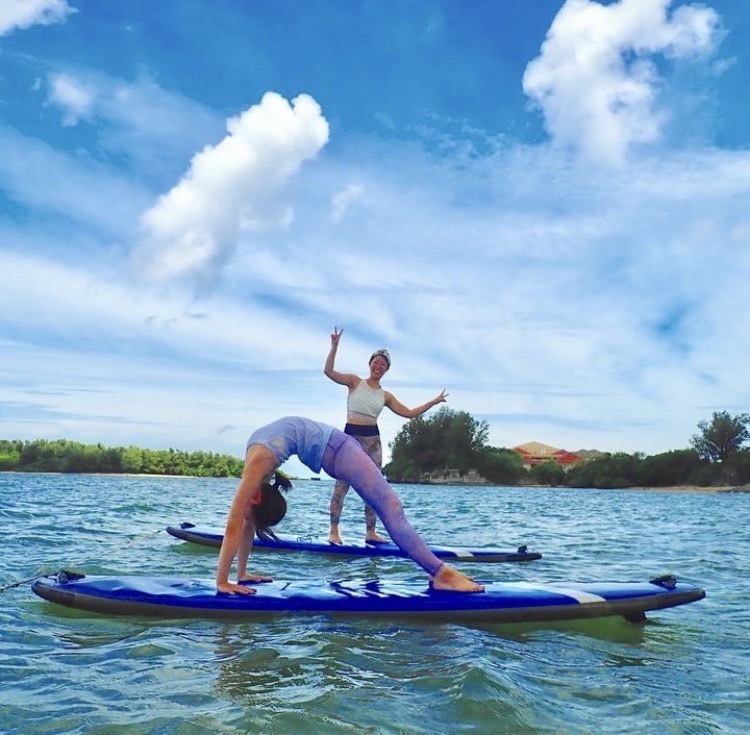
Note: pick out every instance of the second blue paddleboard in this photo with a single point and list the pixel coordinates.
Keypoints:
(207, 536)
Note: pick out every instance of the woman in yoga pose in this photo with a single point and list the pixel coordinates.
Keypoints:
(318, 446)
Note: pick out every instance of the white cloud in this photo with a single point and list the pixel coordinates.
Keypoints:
(233, 186)
(88, 306)
(22, 14)
(75, 190)
(597, 81)
(343, 200)
(137, 120)
(74, 98)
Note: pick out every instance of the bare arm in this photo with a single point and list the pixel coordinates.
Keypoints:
(347, 379)
(234, 534)
(240, 527)
(411, 413)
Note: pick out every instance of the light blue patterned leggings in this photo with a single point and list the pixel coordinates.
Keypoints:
(374, 450)
(345, 460)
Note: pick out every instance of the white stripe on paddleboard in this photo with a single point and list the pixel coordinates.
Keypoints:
(578, 595)
(459, 553)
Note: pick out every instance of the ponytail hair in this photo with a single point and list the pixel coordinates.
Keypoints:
(272, 506)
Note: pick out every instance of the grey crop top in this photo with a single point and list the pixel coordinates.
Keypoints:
(295, 435)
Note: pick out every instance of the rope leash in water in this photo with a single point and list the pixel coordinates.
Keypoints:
(30, 580)
(134, 540)
(25, 581)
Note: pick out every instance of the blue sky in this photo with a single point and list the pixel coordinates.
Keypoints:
(540, 206)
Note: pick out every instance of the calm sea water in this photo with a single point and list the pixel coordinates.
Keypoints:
(686, 671)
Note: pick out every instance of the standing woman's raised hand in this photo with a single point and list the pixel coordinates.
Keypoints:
(442, 398)
(336, 336)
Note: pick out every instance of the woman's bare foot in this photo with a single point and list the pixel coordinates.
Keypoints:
(335, 538)
(375, 538)
(245, 578)
(449, 579)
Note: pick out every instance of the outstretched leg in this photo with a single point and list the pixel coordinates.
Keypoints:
(349, 462)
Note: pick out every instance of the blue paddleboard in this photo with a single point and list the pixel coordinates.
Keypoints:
(502, 602)
(213, 537)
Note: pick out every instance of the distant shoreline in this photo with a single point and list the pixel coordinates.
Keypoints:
(684, 489)
(699, 489)
(637, 488)
(666, 488)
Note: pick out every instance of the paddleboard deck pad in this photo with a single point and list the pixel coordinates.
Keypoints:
(501, 602)
(207, 536)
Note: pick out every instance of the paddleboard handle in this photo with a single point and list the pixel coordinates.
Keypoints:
(667, 581)
(66, 575)
(266, 534)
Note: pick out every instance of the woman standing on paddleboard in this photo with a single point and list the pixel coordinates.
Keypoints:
(364, 403)
(318, 446)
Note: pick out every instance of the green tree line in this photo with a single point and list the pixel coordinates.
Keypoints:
(61, 455)
(447, 439)
(455, 440)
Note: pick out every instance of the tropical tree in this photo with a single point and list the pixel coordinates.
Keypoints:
(720, 439)
(677, 467)
(741, 466)
(548, 473)
(447, 439)
(501, 466)
(609, 471)
(60, 455)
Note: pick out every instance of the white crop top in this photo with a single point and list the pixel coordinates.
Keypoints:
(365, 401)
